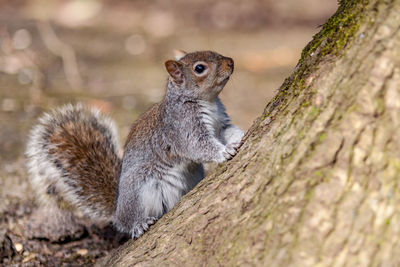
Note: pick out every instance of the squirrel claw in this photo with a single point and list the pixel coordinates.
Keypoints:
(230, 150)
(151, 220)
(140, 228)
(137, 231)
(236, 145)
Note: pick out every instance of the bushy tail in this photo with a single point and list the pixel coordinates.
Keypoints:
(73, 159)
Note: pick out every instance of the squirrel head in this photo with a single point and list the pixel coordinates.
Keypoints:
(199, 75)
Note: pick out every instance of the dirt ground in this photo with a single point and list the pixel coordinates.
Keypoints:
(110, 54)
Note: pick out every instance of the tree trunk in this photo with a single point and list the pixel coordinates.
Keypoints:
(317, 180)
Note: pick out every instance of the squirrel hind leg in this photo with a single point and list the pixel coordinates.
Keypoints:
(58, 226)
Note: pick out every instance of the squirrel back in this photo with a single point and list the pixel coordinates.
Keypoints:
(73, 158)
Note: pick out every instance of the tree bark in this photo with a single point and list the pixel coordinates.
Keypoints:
(316, 182)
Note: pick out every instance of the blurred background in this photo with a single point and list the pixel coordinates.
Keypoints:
(111, 53)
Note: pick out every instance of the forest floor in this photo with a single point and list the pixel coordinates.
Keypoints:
(110, 54)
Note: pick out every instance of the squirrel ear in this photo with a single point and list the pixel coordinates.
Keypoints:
(174, 69)
(178, 54)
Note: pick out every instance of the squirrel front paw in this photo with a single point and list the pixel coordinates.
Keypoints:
(233, 134)
(229, 151)
(139, 228)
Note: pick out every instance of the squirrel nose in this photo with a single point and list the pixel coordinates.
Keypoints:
(230, 63)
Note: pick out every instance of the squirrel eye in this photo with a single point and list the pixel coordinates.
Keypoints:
(199, 68)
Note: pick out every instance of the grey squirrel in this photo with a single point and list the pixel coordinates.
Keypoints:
(74, 154)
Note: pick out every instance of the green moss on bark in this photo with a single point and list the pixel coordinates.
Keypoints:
(338, 31)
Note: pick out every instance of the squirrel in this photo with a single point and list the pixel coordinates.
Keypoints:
(74, 157)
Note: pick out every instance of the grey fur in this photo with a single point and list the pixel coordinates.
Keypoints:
(164, 153)
(55, 178)
(188, 128)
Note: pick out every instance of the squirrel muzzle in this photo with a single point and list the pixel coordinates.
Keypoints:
(225, 71)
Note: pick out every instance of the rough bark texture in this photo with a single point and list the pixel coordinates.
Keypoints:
(316, 182)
